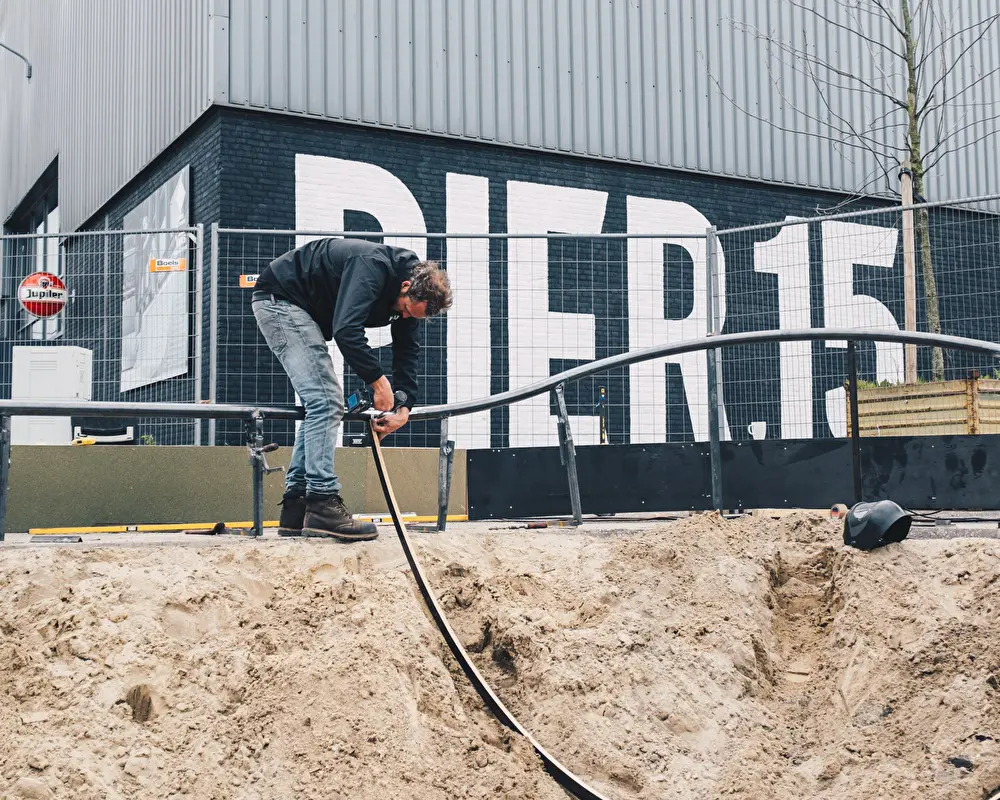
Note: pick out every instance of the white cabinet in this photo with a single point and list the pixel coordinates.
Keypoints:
(61, 374)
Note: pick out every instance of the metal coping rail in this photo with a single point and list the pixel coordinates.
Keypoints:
(256, 414)
(693, 345)
(103, 232)
(223, 411)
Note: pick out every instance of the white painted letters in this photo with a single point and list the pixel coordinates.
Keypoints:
(647, 327)
(844, 245)
(536, 334)
(327, 187)
(787, 256)
(468, 320)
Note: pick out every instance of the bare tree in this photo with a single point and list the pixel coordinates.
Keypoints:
(915, 109)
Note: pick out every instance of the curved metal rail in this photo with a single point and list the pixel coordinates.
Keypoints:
(224, 411)
(707, 343)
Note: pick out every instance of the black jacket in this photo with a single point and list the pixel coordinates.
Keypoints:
(347, 285)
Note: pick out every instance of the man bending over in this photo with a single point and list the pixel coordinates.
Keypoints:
(333, 289)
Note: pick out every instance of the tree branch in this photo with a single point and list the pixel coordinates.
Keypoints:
(955, 62)
(799, 54)
(888, 15)
(856, 15)
(867, 142)
(960, 92)
(958, 148)
(947, 39)
(850, 127)
(771, 123)
(855, 32)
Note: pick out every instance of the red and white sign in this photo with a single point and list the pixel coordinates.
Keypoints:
(42, 294)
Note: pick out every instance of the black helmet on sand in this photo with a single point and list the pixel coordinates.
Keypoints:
(871, 525)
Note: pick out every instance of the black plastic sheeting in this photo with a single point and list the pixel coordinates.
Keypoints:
(918, 472)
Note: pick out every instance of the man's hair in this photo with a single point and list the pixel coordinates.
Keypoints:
(429, 284)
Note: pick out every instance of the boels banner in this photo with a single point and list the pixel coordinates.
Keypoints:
(42, 294)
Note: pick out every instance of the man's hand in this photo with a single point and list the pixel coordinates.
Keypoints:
(391, 422)
(382, 391)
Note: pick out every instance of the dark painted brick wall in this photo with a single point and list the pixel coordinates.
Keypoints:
(93, 273)
(243, 175)
(258, 190)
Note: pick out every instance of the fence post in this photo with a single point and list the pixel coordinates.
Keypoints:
(199, 298)
(255, 435)
(213, 331)
(714, 365)
(852, 373)
(446, 458)
(4, 470)
(909, 271)
(567, 453)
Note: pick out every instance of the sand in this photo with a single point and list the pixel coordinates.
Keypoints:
(702, 658)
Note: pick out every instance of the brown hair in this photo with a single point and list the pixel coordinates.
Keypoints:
(429, 284)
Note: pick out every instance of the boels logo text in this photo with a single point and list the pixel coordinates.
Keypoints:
(42, 294)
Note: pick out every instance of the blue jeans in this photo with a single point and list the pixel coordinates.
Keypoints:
(299, 346)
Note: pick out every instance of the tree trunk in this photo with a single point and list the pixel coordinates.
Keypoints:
(923, 228)
(931, 305)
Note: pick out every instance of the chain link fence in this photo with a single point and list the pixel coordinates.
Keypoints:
(117, 317)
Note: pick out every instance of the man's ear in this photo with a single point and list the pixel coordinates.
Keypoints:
(405, 287)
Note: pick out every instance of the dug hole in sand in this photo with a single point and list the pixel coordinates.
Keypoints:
(702, 658)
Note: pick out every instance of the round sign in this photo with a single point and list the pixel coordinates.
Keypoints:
(42, 294)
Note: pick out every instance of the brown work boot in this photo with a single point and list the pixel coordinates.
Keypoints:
(293, 512)
(328, 517)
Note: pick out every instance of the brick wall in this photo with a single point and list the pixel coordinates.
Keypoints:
(243, 174)
(259, 190)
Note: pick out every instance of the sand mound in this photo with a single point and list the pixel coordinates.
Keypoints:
(245, 671)
(748, 658)
(699, 659)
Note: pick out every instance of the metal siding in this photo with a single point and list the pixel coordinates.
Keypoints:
(630, 80)
(113, 84)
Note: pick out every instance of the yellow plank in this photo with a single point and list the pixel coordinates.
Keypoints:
(145, 528)
(175, 527)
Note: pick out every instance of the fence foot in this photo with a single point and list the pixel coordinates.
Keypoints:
(567, 455)
(446, 458)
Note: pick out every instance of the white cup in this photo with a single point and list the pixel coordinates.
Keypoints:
(757, 429)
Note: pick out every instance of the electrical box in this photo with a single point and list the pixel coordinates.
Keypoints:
(53, 374)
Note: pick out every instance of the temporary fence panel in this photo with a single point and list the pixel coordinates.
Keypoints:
(526, 306)
(849, 271)
(104, 316)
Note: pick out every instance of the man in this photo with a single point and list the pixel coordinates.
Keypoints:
(333, 289)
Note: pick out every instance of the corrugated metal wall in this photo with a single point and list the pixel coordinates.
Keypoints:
(674, 83)
(114, 83)
(650, 81)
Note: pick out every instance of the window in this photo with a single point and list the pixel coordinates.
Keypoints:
(48, 258)
(38, 215)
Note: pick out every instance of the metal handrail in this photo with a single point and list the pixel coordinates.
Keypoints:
(118, 410)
